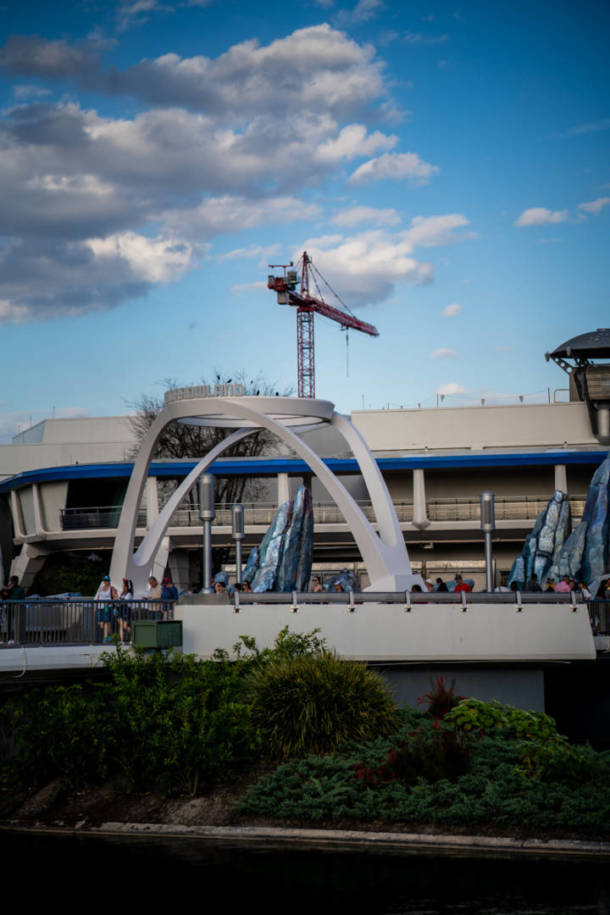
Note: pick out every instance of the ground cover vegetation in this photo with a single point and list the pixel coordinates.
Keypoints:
(331, 743)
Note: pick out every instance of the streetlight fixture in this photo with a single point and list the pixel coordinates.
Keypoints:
(488, 525)
(207, 513)
(238, 535)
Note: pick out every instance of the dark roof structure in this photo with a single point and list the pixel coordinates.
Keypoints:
(594, 345)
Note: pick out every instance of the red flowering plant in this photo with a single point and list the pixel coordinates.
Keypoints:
(432, 753)
(441, 698)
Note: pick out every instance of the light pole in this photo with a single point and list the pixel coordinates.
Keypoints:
(238, 536)
(207, 513)
(488, 524)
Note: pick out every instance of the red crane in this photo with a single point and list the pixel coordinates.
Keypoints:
(307, 305)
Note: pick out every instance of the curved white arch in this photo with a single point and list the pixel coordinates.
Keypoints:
(385, 555)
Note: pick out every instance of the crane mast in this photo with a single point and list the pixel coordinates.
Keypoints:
(294, 291)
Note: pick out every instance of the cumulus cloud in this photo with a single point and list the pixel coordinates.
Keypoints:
(362, 12)
(366, 267)
(444, 352)
(395, 166)
(451, 388)
(540, 216)
(240, 288)
(595, 206)
(99, 209)
(315, 68)
(358, 214)
(432, 231)
(452, 311)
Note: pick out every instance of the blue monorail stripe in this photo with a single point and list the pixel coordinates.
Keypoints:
(272, 466)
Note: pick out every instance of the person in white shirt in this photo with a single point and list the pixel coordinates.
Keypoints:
(105, 594)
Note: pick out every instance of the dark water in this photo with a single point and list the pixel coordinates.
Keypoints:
(179, 873)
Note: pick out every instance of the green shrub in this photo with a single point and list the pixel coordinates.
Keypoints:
(314, 703)
(435, 753)
(162, 723)
(494, 718)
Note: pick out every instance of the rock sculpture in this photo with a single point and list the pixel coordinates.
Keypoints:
(283, 559)
(585, 554)
(544, 545)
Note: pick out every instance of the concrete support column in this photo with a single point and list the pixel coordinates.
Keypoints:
(38, 525)
(420, 511)
(283, 488)
(30, 560)
(152, 501)
(16, 513)
(561, 477)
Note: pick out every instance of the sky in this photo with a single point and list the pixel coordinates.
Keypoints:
(445, 164)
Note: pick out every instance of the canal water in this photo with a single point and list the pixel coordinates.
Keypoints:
(79, 871)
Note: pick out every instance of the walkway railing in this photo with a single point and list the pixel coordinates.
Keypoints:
(513, 508)
(76, 621)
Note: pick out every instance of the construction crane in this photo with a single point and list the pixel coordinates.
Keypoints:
(288, 293)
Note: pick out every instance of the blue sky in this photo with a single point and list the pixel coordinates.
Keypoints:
(446, 164)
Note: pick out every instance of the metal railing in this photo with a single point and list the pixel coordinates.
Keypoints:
(513, 508)
(599, 613)
(48, 622)
(74, 621)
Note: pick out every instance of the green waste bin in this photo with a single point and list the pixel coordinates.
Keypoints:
(157, 633)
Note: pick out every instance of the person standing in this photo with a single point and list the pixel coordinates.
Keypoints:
(169, 593)
(153, 592)
(123, 611)
(105, 595)
(461, 585)
(15, 618)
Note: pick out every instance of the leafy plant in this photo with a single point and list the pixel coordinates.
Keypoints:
(441, 698)
(494, 718)
(432, 754)
(314, 703)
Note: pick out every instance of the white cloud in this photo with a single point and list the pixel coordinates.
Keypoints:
(419, 38)
(395, 166)
(153, 260)
(221, 215)
(22, 93)
(353, 141)
(362, 12)
(365, 267)
(251, 252)
(431, 231)
(240, 288)
(590, 127)
(448, 390)
(358, 214)
(452, 311)
(444, 352)
(595, 206)
(540, 216)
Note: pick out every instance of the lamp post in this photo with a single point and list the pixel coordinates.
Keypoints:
(488, 524)
(207, 513)
(238, 536)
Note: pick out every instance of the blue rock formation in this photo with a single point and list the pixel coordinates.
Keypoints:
(346, 579)
(585, 554)
(251, 565)
(543, 546)
(284, 558)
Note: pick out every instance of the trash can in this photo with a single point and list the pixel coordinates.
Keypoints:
(157, 633)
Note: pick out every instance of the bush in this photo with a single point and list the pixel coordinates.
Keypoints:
(432, 754)
(441, 698)
(315, 703)
(170, 724)
(498, 720)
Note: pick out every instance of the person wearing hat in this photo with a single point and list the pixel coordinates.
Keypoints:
(169, 592)
(105, 594)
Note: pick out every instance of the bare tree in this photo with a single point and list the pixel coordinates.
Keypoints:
(179, 441)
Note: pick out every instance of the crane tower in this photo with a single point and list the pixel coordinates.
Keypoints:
(292, 290)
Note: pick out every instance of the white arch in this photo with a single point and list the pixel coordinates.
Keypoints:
(385, 555)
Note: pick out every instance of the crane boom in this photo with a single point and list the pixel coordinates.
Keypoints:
(307, 306)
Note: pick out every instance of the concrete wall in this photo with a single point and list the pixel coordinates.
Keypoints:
(454, 428)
